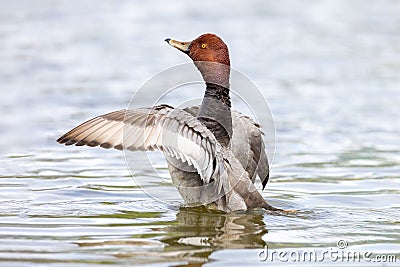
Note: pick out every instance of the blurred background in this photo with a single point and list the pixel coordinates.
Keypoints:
(330, 71)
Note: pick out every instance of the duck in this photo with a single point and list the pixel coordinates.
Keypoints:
(213, 152)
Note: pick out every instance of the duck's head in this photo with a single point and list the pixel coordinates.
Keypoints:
(207, 48)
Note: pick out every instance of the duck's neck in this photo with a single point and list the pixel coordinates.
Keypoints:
(215, 112)
(218, 92)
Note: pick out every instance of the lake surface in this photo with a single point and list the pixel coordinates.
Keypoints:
(329, 70)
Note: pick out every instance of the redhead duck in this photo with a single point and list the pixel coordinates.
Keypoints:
(213, 153)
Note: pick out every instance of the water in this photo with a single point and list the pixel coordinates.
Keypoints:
(329, 69)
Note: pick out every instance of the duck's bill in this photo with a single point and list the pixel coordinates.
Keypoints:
(182, 46)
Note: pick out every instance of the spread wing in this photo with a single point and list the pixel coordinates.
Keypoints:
(173, 131)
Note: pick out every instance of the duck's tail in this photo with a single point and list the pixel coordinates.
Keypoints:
(268, 207)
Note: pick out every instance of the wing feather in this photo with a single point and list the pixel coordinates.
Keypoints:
(173, 131)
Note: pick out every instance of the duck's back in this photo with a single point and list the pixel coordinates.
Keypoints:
(247, 147)
(247, 144)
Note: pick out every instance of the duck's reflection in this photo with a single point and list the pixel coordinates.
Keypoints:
(199, 232)
(191, 237)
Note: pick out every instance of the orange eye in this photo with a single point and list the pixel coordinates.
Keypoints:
(203, 45)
